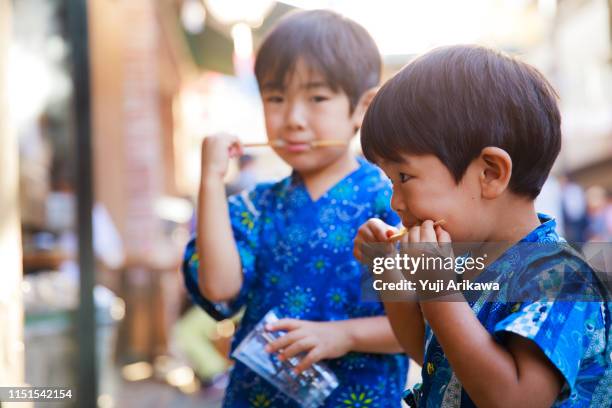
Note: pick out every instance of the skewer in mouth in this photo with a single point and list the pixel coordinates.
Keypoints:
(311, 145)
(404, 231)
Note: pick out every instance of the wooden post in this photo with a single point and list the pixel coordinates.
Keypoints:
(11, 309)
(87, 392)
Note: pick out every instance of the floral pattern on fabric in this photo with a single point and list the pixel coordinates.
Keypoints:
(297, 259)
(575, 336)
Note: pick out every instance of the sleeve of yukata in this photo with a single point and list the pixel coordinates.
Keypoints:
(244, 217)
(567, 331)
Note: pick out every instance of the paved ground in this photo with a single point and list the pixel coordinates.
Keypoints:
(153, 394)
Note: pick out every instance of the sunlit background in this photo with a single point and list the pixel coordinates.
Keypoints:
(165, 73)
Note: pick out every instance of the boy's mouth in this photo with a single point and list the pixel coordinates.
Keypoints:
(409, 222)
(296, 147)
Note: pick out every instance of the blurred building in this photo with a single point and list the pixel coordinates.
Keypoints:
(570, 41)
(582, 44)
(160, 83)
(164, 73)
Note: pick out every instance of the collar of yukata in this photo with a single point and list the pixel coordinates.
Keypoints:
(547, 227)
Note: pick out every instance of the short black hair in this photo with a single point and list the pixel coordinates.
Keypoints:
(336, 47)
(454, 101)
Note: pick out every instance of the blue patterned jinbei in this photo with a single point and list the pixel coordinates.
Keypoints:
(575, 336)
(297, 259)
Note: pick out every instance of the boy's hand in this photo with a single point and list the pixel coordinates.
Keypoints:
(427, 233)
(372, 231)
(320, 340)
(436, 242)
(216, 153)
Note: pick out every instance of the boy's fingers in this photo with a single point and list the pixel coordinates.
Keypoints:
(380, 229)
(284, 324)
(414, 234)
(442, 235)
(357, 252)
(298, 347)
(235, 148)
(364, 234)
(314, 356)
(372, 232)
(428, 234)
(283, 342)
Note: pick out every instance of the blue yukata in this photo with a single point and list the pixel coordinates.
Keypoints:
(575, 336)
(297, 259)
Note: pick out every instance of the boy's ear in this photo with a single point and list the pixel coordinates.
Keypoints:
(362, 106)
(495, 171)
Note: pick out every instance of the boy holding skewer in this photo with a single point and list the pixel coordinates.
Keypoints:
(287, 246)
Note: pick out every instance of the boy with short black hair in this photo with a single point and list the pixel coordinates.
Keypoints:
(287, 246)
(468, 135)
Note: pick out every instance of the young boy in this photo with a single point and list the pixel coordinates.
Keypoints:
(468, 135)
(287, 246)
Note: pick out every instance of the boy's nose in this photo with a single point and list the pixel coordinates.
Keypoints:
(295, 117)
(397, 204)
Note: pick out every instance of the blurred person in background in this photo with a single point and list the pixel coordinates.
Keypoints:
(599, 215)
(573, 204)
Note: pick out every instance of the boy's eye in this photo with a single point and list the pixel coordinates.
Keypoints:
(319, 98)
(403, 177)
(274, 99)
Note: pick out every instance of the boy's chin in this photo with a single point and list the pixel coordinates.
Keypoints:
(303, 163)
(313, 161)
(304, 168)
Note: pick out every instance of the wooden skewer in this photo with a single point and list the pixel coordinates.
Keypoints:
(328, 143)
(403, 231)
(260, 144)
(398, 235)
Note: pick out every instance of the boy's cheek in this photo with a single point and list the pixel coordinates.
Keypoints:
(273, 122)
(422, 208)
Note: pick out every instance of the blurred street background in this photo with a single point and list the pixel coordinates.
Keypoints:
(103, 107)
